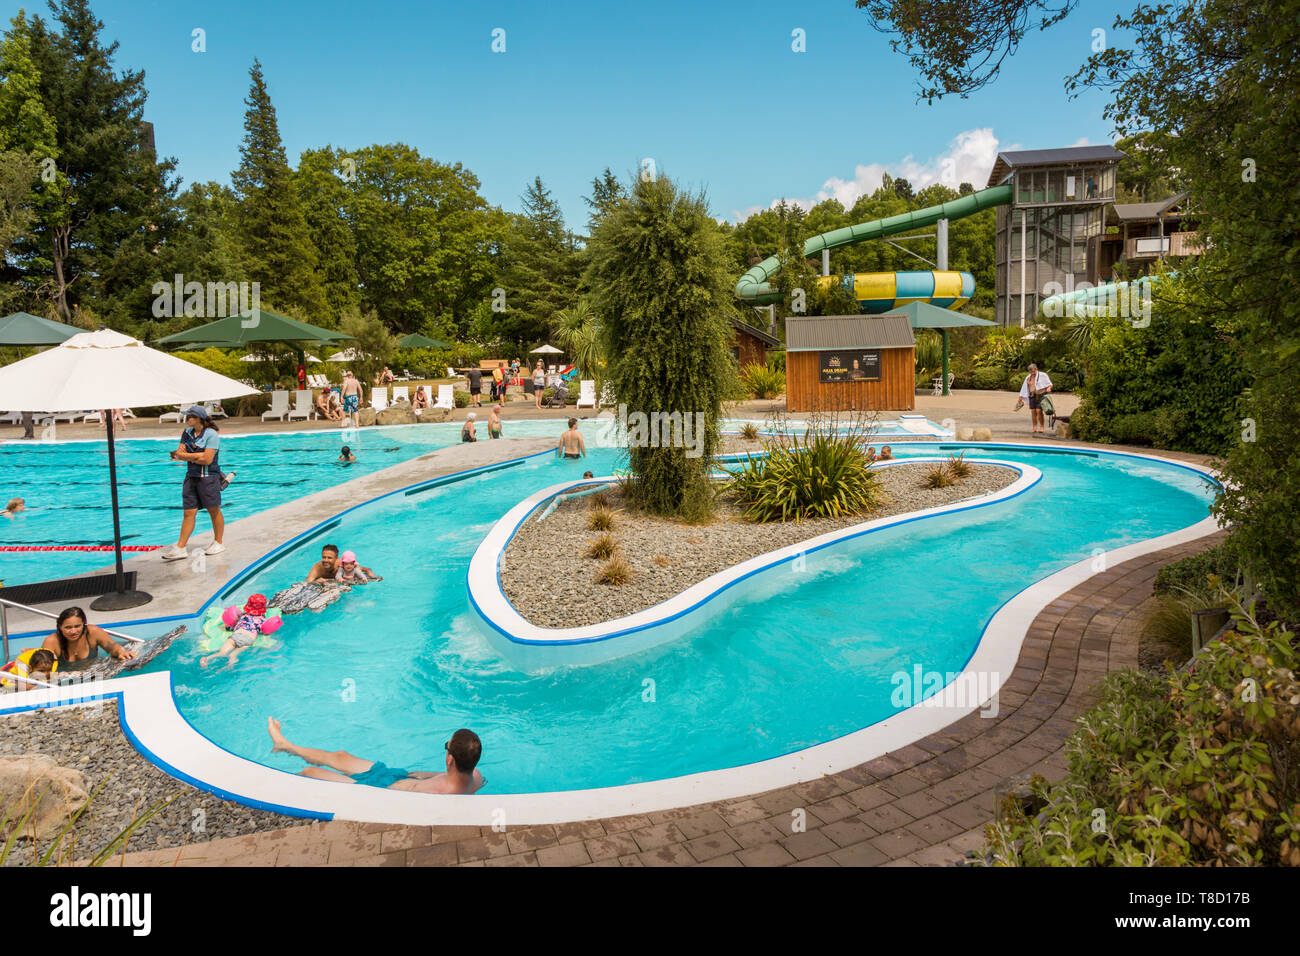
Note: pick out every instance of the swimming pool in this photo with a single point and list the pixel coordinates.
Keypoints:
(65, 484)
(795, 660)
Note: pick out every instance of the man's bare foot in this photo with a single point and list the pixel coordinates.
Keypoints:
(277, 738)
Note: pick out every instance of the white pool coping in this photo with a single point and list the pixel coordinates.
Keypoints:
(532, 646)
(156, 727)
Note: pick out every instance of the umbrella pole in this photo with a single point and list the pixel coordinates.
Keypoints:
(120, 598)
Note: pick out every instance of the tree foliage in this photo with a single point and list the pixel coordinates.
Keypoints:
(958, 46)
(278, 251)
(542, 268)
(661, 285)
(102, 202)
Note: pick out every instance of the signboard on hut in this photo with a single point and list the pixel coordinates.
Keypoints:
(859, 366)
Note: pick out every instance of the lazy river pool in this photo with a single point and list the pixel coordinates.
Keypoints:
(795, 659)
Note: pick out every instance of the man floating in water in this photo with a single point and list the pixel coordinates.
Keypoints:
(339, 766)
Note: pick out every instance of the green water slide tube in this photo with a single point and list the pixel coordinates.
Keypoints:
(753, 286)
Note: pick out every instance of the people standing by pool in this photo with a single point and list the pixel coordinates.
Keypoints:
(539, 382)
(327, 566)
(494, 421)
(302, 377)
(1035, 386)
(75, 640)
(474, 377)
(199, 448)
(386, 377)
(464, 751)
(571, 443)
(514, 370)
(351, 400)
(467, 432)
(15, 506)
(498, 381)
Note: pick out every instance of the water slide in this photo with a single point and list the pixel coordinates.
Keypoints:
(879, 292)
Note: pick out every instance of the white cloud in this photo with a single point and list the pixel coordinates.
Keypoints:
(968, 159)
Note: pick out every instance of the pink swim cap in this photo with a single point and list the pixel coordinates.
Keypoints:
(348, 557)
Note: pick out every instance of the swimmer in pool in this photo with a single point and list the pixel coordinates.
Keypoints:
(350, 572)
(345, 455)
(327, 566)
(339, 766)
(571, 443)
(15, 506)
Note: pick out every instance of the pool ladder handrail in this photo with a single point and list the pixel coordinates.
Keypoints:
(5, 603)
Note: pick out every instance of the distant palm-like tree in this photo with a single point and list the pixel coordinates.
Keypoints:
(576, 332)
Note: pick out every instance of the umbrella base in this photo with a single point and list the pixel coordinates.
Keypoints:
(120, 600)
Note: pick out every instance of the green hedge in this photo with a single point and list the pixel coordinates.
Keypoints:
(1174, 383)
(1194, 767)
(1192, 573)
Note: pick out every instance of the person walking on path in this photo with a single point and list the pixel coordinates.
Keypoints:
(199, 448)
(474, 377)
(351, 401)
(1035, 386)
(539, 382)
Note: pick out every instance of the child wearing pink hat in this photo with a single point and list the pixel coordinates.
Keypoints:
(244, 633)
(350, 572)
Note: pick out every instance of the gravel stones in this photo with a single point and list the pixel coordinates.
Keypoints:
(550, 583)
(91, 739)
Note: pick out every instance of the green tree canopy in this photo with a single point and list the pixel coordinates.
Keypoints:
(542, 268)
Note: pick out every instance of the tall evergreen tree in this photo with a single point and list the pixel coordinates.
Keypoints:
(543, 266)
(324, 196)
(105, 202)
(273, 229)
(606, 192)
(662, 288)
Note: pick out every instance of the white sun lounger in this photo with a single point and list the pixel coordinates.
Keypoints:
(401, 392)
(587, 393)
(379, 397)
(279, 409)
(446, 399)
(301, 405)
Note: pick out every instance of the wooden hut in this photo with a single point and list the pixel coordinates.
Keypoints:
(749, 344)
(849, 363)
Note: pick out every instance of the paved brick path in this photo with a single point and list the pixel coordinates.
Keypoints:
(925, 804)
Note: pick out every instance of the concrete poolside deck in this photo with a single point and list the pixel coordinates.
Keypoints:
(923, 805)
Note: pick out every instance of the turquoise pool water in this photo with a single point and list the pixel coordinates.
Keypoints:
(391, 670)
(65, 484)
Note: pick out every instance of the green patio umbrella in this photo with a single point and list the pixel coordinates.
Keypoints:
(247, 328)
(23, 328)
(417, 341)
(923, 315)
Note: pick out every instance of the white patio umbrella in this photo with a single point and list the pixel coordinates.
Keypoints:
(254, 357)
(546, 350)
(348, 355)
(108, 370)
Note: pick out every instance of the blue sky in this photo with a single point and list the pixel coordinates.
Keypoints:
(712, 92)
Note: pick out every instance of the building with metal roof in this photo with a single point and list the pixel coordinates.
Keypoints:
(849, 363)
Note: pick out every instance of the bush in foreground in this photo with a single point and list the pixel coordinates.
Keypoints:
(1197, 767)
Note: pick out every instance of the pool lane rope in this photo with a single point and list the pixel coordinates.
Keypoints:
(78, 547)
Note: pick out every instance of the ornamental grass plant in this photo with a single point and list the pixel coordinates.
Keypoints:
(823, 473)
